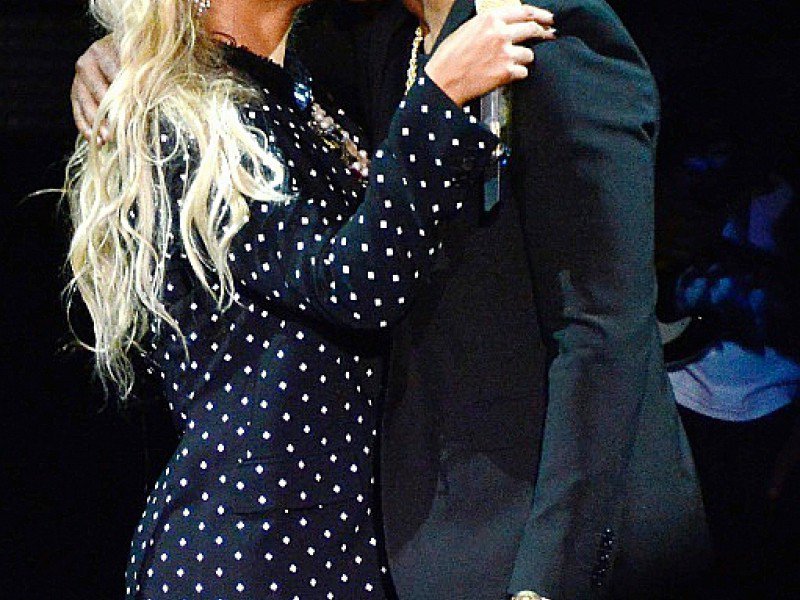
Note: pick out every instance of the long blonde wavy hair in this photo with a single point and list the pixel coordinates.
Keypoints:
(172, 82)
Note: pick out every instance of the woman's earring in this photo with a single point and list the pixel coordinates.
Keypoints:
(202, 6)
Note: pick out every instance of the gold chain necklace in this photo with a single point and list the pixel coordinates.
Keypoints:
(411, 74)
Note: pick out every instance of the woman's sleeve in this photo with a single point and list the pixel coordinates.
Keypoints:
(361, 269)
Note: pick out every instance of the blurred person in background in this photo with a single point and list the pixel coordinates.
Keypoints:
(735, 367)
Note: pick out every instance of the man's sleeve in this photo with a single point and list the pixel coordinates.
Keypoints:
(584, 125)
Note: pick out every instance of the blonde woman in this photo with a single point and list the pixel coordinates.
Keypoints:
(235, 239)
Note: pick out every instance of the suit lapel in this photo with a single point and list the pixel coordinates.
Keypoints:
(459, 13)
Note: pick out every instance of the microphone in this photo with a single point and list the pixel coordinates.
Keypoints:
(495, 115)
(495, 105)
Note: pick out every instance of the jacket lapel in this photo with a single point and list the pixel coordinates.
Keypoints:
(461, 11)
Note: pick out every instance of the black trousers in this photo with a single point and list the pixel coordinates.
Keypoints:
(756, 541)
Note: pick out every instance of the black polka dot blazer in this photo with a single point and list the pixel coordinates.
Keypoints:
(268, 494)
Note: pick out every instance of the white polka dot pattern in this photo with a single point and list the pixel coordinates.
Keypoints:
(269, 493)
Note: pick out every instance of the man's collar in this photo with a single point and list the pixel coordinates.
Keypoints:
(460, 12)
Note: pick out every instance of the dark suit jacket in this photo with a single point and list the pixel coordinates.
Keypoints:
(547, 300)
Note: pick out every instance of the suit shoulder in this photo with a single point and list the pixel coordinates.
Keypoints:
(596, 24)
(593, 68)
(597, 29)
(598, 11)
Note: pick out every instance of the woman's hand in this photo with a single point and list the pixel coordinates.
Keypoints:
(94, 73)
(484, 53)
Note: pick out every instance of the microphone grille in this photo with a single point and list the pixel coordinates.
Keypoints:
(484, 5)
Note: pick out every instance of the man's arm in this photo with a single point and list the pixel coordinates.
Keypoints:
(583, 152)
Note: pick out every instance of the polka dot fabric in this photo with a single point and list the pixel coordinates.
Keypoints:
(269, 493)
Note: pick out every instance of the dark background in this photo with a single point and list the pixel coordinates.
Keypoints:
(74, 475)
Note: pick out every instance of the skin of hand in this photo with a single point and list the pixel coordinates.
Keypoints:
(486, 45)
(484, 53)
(94, 72)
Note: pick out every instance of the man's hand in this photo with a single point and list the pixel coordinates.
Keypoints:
(94, 73)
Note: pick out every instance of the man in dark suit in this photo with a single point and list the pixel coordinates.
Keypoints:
(543, 303)
(545, 300)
